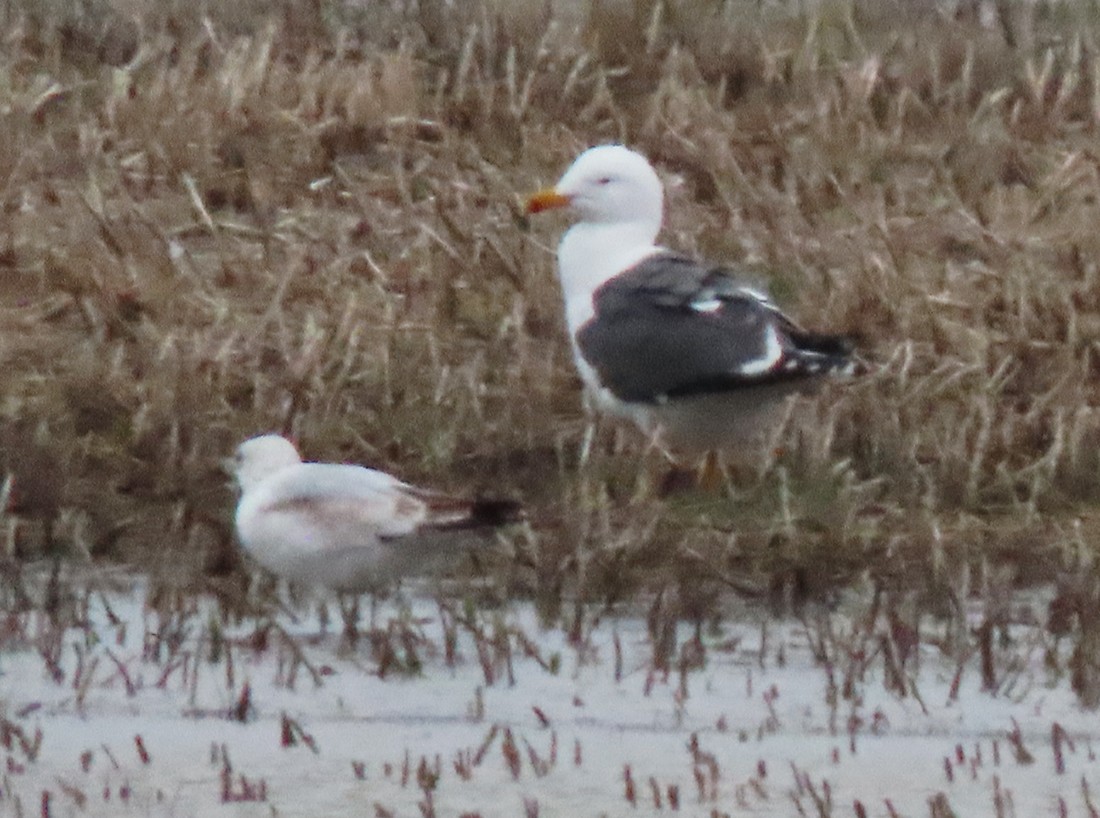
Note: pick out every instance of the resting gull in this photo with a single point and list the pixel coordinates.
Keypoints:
(347, 527)
(699, 359)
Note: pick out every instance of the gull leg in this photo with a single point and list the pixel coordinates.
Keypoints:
(711, 475)
(349, 613)
(373, 611)
(322, 617)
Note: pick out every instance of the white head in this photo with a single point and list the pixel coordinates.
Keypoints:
(608, 184)
(260, 457)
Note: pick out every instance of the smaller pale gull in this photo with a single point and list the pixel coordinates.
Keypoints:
(699, 359)
(347, 527)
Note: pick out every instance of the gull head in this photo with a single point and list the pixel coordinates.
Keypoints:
(260, 457)
(608, 184)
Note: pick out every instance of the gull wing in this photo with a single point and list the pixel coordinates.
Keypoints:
(351, 505)
(670, 327)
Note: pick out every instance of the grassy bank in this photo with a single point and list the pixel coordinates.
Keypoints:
(306, 217)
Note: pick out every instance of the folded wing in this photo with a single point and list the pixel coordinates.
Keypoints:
(348, 506)
(671, 328)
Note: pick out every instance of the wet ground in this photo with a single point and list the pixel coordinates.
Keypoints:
(449, 710)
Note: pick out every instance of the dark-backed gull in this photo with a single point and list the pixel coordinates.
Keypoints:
(694, 355)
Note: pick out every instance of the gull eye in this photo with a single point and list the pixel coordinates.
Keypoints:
(603, 180)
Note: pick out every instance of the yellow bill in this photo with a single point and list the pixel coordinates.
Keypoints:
(547, 199)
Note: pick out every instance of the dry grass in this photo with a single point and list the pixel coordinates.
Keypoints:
(305, 217)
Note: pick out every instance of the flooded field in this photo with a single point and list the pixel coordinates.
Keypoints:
(443, 709)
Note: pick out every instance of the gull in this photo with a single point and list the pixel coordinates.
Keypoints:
(697, 357)
(346, 527)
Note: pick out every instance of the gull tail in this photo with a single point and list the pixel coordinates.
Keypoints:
(495, 513)
(818, 352)
(451, 514)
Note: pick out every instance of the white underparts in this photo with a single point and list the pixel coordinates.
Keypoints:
(589, 255)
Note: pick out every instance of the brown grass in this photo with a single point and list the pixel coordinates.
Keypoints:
(305, 217)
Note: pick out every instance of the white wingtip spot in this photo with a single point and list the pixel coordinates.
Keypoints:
(773, 352)
(709, 305)
(752, 292)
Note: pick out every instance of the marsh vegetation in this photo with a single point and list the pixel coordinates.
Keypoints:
(306, 217)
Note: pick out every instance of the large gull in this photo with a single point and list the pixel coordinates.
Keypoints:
(698, 358)
(347, 527)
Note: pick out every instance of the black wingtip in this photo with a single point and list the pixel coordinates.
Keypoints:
(447, 513)
(493, 513)
(836, 353)
(833, 346)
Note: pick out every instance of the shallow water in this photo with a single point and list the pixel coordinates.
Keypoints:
(581, 730)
